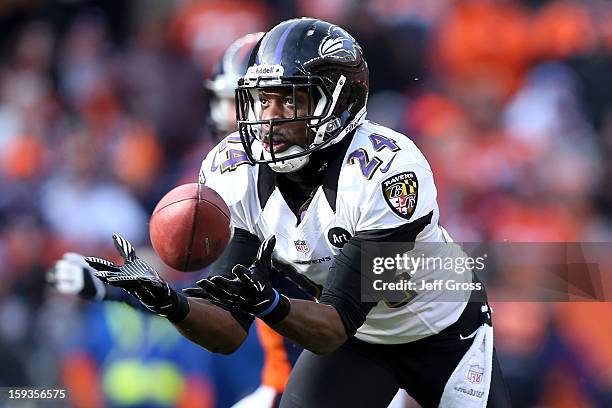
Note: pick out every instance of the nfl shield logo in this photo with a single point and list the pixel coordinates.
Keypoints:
(475, 374)
(301, 246)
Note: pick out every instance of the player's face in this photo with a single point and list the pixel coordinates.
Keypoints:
(279, 103)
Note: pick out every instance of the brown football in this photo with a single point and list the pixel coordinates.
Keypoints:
(190, 227)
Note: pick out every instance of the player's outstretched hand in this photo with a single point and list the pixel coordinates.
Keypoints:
(72, 275)
(248, 289)
(140, 280)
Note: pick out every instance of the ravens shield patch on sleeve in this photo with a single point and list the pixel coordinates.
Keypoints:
(401, 193)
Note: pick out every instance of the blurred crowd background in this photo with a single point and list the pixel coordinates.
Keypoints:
(103, 110)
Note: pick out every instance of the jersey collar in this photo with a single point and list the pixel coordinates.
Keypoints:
(267, 178)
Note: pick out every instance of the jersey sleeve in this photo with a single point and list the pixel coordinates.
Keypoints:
(342, 289)
(406, 196)
(387, 195)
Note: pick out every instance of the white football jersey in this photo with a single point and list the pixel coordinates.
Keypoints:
(384, 182)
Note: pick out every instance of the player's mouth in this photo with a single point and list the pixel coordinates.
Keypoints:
(278, 146)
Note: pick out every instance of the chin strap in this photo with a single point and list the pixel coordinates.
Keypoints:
(289, 165)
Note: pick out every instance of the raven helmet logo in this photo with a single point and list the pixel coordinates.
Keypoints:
(338, 44)
(401, 193)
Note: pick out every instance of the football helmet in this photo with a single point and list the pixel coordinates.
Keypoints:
(221, 87)
(309, 55)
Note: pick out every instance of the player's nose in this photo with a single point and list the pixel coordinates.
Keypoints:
(274, 110)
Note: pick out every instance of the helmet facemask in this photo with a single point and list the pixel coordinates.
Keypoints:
(322, 127)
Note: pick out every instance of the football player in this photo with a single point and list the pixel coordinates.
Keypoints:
(72, 275)
(311, 186)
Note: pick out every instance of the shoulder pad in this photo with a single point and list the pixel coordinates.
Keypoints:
(377, 151)
(227, 169)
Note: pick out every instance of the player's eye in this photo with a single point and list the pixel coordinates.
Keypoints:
(263, 100)
(289, 100)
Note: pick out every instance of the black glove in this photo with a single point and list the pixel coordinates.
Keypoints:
(141, 281)
(71, 275)
(247, 289)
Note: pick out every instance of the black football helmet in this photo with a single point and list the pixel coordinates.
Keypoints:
(311, 55)
(222, 85)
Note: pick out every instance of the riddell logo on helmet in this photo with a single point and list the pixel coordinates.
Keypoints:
(259, 70)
